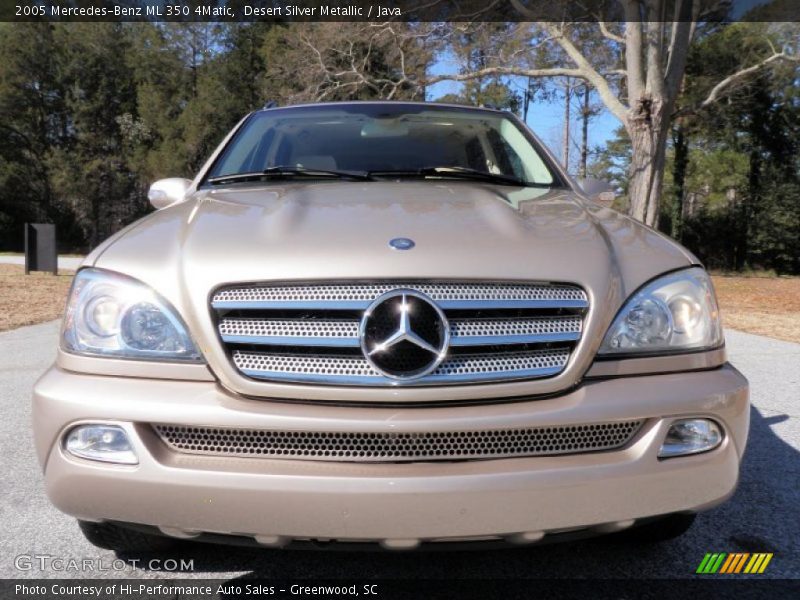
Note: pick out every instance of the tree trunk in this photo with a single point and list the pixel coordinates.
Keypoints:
(647, 125)
(679, 178)
(745, 212)
(526, 101)
(565, 140)
(585, 131)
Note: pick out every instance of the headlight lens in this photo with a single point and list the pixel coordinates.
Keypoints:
(112, 315)
(673, 313)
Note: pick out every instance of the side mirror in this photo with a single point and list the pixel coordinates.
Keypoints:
(166, 192)
(594, 187)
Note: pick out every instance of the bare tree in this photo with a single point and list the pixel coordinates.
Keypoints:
(655, 55)
(635, 67)
(565, 131)
(586, 114)
(339, 61)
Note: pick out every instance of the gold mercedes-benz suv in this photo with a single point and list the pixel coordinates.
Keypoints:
(392, 323)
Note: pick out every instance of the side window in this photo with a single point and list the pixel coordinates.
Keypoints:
(508, 161)
(514, 159)
(522, 156)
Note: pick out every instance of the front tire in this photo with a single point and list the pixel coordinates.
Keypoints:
(119, 539)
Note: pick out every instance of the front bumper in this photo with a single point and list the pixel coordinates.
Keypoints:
(275, 501)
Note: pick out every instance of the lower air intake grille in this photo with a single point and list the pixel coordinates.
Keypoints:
(398, 447)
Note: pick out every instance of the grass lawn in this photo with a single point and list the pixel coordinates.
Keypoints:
(35, 298)
(767, 306)
(23, 254)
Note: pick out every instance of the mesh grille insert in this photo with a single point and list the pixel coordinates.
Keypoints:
(289, 328)
(398, 447)
(356, 369)
(517, 326)
(368, 292)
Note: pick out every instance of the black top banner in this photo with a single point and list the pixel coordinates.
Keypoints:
(399, 10)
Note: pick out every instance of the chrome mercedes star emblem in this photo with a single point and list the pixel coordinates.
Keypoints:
(404, 335)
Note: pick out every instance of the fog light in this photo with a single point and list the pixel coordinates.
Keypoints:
(107, 443)
(690, 436)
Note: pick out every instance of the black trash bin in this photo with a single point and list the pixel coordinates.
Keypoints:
(41, 253)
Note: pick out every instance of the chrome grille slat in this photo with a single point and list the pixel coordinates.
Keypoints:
(355, 370)
(366, 293)
(364, 304)
(310, 333)
(341, 333)
(344, 446)
(510, 304)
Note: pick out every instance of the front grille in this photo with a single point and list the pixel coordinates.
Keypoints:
(398, 447)
(311, 333)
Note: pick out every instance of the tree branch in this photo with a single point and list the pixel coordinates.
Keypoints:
(518, 71)
(608, 34)
(587, 72)
(718, 90)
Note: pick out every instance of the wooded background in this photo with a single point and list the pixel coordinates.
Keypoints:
(708, 148)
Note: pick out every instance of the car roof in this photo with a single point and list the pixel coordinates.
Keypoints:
(273, 106)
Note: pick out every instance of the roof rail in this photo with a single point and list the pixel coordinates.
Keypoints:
(270, 104)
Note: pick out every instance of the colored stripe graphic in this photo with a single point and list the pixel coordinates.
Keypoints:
(752, 563)
(732, 558)
(742, 559)
(758, 563)
(734, 563)
(765, 563)
(711, 562)
(704, 563)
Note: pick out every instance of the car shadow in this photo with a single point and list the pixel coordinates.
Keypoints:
(761, 517)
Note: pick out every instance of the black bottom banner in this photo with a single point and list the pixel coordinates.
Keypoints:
(208, 589)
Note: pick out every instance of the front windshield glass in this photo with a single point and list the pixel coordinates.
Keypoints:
(383, 139)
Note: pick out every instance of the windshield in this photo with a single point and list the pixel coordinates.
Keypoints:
(385, 140)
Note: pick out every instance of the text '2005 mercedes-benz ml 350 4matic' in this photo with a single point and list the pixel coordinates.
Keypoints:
(393, 323)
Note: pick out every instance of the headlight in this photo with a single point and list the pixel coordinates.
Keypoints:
(113, 315)
(673, 313)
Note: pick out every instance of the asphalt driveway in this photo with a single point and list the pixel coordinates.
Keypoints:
(763, 516)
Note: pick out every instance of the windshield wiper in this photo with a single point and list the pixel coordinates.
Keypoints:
(287, 171)
(457, 172)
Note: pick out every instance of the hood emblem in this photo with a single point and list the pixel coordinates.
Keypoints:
(404, 335)
(401, 244)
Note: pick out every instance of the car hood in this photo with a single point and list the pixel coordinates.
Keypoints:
(341, 231)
